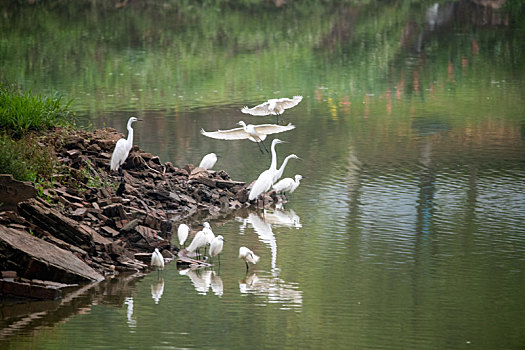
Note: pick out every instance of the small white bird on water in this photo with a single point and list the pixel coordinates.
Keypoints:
(208, 161)
(265, 180)
(288, 184)
(157, 260)
(216, 247)
(122, 148)
(182, 233)
(255, 133)
(275, 106)
(248, 256)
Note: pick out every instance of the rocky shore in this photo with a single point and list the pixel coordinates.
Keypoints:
(88, 224)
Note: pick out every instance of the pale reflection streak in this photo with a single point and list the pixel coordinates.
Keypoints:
(132, 323)
(276, 289)
(203, 280)
(157, 289)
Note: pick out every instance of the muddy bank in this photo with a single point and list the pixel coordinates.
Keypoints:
(96, 221)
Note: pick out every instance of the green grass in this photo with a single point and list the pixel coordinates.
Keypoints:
(21, 112)
(25, 158)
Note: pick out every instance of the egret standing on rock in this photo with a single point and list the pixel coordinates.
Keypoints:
(275, 106)
(157, 260)
(265, 180)
(208, 161)
(182, 233)
(122, 148)
(255, 133)
(287, 185)
(248, 256)
(216, 247)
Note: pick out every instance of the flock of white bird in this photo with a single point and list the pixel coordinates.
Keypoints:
(266, 180)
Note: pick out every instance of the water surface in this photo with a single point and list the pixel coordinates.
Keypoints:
(407, 229)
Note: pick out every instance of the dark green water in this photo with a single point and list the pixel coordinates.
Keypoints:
(407, 231)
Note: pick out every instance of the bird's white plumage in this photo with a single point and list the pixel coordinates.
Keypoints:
(122, 148)
(208, 161)
(216, 245)
(157, 260)
(273, 106)
(288, 184)
(265, 180)
(279, 173)
(208, 233)
(198, 241)
(182, 233)
(252, 132)
(247, 255)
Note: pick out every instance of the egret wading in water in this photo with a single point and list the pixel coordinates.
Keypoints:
(265, 180)
(208, 161)
(275, 106)
(198, 241)
(216, 247)
(122, 148)
(248, 256)
(157, 260)
(208, 233)
(287, 185)
(279, 173)
(182, 233)
(255, 133)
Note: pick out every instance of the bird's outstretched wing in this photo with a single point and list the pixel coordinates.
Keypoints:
(289, 102)
(261, 109)
(232, 134)
(266, 129)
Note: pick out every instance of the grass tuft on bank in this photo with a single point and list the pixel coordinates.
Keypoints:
(21, 115)
(21, 112)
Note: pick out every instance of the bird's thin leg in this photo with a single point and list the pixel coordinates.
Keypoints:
(246, 266)
(219, 258)
(121, 173)
(265, 147)
(260, 149)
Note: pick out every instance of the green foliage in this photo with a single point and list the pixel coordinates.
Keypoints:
(25, 158)
(21, 111)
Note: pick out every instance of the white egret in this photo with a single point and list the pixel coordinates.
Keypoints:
(157, 260)
(248, 256)
(275, 106)
(265, 180)
(216, 247)
(208, 234)
(288, 184)
(122, 148)
(255, 133)
(280, 171)
(182, 233)
(198, 241)
(208, 161)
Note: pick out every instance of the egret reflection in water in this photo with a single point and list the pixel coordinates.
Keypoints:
(157, 289)
(203, 279)
(132, 323)
(274, 288)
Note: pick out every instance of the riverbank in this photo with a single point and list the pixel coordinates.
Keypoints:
(84, 224)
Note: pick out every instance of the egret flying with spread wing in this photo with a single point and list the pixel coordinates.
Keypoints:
(248, 256)
(255, 133)
(288, 184)
(275, 106)
(122, 148)
(208, 161)
(265, 180)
